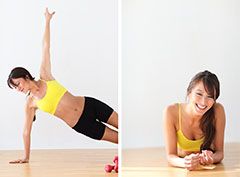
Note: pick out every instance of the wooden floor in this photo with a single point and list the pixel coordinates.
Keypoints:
(58, 163)
(151, 162)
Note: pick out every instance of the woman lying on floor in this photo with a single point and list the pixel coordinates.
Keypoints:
(194, 131)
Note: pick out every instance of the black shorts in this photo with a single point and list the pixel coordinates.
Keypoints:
(90, 122)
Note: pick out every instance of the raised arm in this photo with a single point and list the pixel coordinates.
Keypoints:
(45, 70)
(29, 115)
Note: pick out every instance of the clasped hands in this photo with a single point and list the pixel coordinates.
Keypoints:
(193, 161)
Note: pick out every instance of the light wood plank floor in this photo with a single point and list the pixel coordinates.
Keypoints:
(151, 162)
(59, 163)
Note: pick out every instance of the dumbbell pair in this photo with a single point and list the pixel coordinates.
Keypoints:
(109, 168)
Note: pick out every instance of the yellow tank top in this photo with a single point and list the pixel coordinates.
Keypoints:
(183, 142)
(54, 93)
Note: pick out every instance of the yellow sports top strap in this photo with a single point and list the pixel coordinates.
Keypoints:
(179, 117)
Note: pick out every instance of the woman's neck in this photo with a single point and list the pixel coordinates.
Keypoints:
(35, 87)
(188, 109)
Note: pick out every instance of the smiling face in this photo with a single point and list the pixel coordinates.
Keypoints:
(21, 85)
(200, 100)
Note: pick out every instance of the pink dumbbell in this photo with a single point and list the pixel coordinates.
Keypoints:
(115, 160)
(109, 168)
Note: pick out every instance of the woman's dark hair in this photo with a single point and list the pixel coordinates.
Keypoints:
(19, 72)
(207, 123)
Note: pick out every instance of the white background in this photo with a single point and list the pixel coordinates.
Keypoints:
(165, 43)
(84, 60)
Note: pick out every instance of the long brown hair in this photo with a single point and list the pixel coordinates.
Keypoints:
(207, 122)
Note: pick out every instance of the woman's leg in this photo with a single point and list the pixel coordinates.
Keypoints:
(113, 119)
(110, 135)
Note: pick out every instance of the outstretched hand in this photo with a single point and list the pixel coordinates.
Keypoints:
(48, 15)
(19, 161)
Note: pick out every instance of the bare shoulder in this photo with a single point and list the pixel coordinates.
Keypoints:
(170, 113)
(219, 111)
(218, 107)
(30, 103)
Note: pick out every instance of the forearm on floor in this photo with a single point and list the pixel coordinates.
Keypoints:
(218, 156)
(176, 161)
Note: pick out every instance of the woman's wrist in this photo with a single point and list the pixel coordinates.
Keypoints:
(48, 21)
(26, 158)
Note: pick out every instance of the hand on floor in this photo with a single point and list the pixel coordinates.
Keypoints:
(206, 157)
(19, 161)
(192, 161)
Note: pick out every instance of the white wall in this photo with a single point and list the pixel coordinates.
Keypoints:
(165, 43)
(84, 60)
